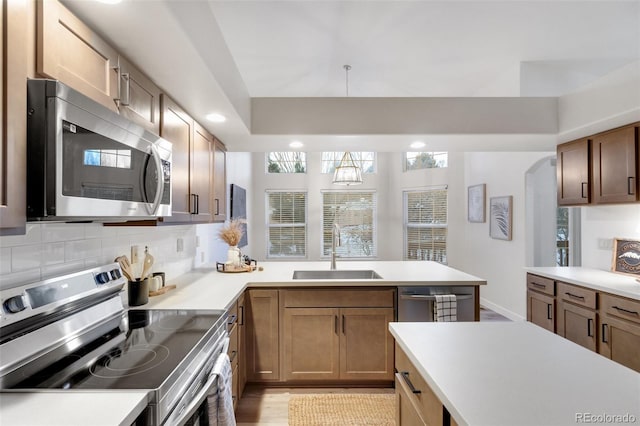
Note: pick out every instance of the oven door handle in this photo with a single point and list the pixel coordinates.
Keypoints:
(189, 409)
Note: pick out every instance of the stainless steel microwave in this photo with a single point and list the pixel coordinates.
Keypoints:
(86, 162)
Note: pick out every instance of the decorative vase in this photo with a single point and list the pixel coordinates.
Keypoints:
(233, 256)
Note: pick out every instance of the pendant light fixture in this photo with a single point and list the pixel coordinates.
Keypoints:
(347, 172)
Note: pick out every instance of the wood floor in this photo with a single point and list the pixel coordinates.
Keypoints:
(270, 406)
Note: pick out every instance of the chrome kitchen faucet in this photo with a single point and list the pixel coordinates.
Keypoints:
(335, 242)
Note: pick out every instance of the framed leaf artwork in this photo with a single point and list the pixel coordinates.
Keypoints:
(500, 217)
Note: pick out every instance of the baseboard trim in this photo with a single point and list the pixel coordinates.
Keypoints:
(502, 311)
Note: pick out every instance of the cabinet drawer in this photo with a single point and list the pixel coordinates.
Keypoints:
(541, 284)
(338, 298)
(232, 319)
(429, 406)
(620, 307)
(578, 295)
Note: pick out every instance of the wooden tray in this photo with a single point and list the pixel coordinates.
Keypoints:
(163, 290)
(221, 267)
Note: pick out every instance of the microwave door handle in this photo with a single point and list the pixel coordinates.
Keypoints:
(160, 188)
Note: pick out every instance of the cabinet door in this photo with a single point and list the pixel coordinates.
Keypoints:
(407, 411)
(219, 202)
(69, 51)
(263, 353)
(138, 97)
(577, 324)
(366, 346)
(311, 343)
(13, 124)
(573, 173)
(614, 166)
(177, 127)
(201, 168)
(620, 341)
(541, 310)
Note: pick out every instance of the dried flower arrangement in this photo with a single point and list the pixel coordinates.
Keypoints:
(231, 232)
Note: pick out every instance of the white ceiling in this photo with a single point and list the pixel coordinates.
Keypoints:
(216, 55)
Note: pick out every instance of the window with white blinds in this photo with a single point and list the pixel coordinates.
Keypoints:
(286, 224)
(355, 214)
(426, 224)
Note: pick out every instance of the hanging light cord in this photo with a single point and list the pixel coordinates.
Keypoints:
(346, 71)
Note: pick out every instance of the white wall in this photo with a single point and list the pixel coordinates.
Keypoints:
(500, 262)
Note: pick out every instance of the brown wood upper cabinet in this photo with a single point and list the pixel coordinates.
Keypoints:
(600, 169)
(573, 172)
(69, 51)
(191, 166)
(13, 119)
(615, 158)
(137, 97)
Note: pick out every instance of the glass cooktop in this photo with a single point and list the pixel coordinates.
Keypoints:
(140, 353)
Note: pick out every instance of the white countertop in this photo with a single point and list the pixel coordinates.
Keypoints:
(596, 279)
(516, 373)
(59, 408)
(205, 288)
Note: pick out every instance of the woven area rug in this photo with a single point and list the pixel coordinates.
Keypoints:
(342, 409)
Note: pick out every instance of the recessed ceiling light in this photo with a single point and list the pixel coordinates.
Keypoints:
(216, 118)
(417, 145)
(296, 144)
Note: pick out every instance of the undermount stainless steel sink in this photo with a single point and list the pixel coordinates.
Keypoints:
(337, 274)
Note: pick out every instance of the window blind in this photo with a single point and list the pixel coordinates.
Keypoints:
(355, 214)
(286, 223)
(426, 224)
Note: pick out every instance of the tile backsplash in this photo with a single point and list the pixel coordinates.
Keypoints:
(50, 249)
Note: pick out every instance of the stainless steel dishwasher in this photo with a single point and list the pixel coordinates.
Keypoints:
(415, 304)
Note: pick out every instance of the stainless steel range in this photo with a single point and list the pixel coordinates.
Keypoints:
(73, 332)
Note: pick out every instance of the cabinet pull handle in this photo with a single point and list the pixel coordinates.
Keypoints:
(335, 323)
(232, 320)
(604, 335)
(192, 210)
(241, 314)
(589, 326)
(233, 356)
(217, 206)
(575, 296)
(625, 311)
(118, 85)
(535, 284)
(549, 311)
(630, 186)
(343, 324)
(197, 204)
(584, 184)
(127, 90)
(405, 376)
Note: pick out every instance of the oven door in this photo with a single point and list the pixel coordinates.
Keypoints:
(107, 170)
(196, 409)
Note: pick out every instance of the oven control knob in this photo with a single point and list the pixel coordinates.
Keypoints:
(102, 278)
(14, 304)
(115, 274)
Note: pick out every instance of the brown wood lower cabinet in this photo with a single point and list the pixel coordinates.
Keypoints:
(337, 344)
(620, 330)
(262, 338)
(541, 310)
(242, 347)
(577, 324)
(416, 404)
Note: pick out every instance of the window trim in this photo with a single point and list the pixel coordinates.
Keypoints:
(266, 164)
(405, 169)
(293, 224)
(374, 223)
(406, 225)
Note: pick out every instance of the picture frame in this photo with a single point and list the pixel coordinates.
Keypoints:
(501, 217)
(626, 256)
(476, 199)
